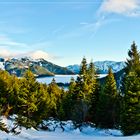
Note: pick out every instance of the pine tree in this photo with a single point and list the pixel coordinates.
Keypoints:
(27, 99)
(69, 100)
(93, 92)
(133, 63)
(61, 111)
(91, 78)
(81, 91)
(107, 105)
(42, 103)
(130, 115)
(83, 67)
(94, 99)
(55, 95)
(86, 91)
(7, 92)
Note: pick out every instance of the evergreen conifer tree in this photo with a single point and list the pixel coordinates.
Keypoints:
(130, 115)
(42, 103)
(55, 98)
(27, 99)
(86, 91)
(93, 92)
(107, 105)
(69, 100)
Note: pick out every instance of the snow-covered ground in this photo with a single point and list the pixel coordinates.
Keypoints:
(59, 135)
(2, 65)
(86, 133)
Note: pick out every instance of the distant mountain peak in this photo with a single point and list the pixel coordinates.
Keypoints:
(101, 66)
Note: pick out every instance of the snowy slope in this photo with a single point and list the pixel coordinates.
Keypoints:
(86, 133)
(74, 135)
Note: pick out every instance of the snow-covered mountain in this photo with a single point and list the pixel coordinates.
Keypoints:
(75, 68)
(43, 67)
(101, 66)
(39, 67)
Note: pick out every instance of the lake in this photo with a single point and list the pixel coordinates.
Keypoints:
(60, 78)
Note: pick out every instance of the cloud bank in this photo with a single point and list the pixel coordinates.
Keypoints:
(13, 49)
(39, 54)
(123, 7)
(4, 53)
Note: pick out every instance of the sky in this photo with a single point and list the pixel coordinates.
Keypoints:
(65, 31)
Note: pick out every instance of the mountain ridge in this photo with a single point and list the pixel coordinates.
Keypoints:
(101, 66)
(40, 67)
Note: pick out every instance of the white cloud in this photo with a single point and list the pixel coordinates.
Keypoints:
(7, 53)
(39, 54)
(32, 54)
(4, 53)
(124, 7)
(13, 49)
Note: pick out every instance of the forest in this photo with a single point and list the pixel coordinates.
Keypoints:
(86, 100)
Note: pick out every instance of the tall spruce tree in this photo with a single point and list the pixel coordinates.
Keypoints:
(42, 103)
(55, 95)
(27, 99)
(93, 92)
(85, 90)
(130, 115)
(69, 101)
(8, 90)
(91, 76)
(83, 67)
(81, 91)
(94, 99)
(107, 105)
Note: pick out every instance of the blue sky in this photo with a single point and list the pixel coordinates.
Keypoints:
(64, 31)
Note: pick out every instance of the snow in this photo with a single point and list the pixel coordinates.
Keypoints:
(102, 75)
(2, 65)
(32, 134)
(87, 132)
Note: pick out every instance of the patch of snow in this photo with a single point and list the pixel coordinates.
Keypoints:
(87, 132)
(2, 66)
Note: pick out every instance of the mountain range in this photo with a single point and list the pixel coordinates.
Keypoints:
(41, 67)
(101, 67)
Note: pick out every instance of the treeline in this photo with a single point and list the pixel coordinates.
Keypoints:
(86, 100)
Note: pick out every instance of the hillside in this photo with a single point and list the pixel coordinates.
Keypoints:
(39, 67)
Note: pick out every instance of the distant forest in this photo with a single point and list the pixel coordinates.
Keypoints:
(86, 100)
